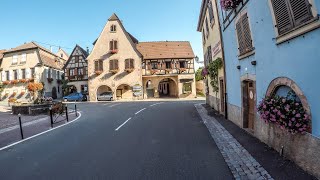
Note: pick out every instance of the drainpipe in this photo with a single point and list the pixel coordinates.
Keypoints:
(224, 67)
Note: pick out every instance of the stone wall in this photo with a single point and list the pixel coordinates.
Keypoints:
(234, 114)
(304, 150)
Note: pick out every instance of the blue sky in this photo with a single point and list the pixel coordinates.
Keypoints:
(69, 22)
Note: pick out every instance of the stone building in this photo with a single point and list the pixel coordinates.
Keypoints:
(209, 25)
(27, 63)
(76, 71)
(120, 64)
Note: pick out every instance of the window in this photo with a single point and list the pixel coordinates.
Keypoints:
(154, 65)
(76, 59)
(80, 71)
(113, 28)
(113, 64)
(49, 73)
(23, 58)
(244, 35)
(32, 72)
(98, 65)
(71, 72)
(113, 45)
(23, 73)
(14, 60)
(7, 76)
(290, 14)
(207, 27)
(209, 55)
(187, 87)
(210, 9)
(58, 74)
(168, 65)
(61, 55)
(183, 64)
(129, 64)
(15, 74)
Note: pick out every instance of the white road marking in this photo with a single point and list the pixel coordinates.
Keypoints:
(156, 104)
(114, 105)
(31, 137)
(140, 111)
(123, 124)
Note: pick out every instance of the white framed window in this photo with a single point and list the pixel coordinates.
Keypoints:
(23, 58)
(14, 59)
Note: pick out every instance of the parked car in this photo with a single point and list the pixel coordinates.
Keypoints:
(74, 97)
(106, 96)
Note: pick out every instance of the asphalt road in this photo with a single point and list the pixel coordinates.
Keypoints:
(138, 140)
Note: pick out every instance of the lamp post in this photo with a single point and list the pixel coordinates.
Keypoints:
(20, 124)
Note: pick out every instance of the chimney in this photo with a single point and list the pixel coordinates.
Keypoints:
(88, 50)
(50, 48)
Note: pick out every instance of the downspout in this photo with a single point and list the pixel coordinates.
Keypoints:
(224, 66)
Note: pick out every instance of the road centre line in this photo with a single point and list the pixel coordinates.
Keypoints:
(114, 105)
(123, 124)
(156, 104)
(140, 111)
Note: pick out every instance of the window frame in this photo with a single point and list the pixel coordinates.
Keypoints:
(99, 65)
(15, 74)
(211, 13)
(113, 28)
(297, 31)
(112, 44)
(115, 64)
(23, 58)
(130, 63)
(23, 73)
(14, 60)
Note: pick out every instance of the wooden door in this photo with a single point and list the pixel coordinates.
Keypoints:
(222, 95)
(251, 94)
(119, 93)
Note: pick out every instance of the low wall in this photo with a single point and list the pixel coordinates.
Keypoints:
(234, 114)
(34, 109)
(304, 150)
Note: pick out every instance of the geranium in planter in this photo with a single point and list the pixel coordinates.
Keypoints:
(129, 70)
(6, 82)
(114, 51)
(153, 71)
(230, 4)
(114, 71)
(98, 73)
(50, 80)
(31, 80)
(204, 72)
(22, 80)
(22, 93)
(287, 113)
(14, 81)
(12, 100)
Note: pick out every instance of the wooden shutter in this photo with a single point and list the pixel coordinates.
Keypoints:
(246, 33)
(301, 11)
(132, 63)
(111, 45)
(100, 65)
(127, 65)
(116, 65)
(111, 67)
(240, 37)
(282, 15)
(115, 45)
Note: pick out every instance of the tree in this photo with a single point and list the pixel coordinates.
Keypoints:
(199, 75)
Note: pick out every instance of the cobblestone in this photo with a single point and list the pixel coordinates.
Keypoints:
(239, 160)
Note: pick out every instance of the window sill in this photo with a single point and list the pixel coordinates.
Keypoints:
(250, 53)
(298, 31)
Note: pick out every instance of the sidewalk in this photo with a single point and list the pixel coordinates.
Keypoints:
(246, 156)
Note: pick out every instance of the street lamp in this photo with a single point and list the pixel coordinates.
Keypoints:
(197, 60)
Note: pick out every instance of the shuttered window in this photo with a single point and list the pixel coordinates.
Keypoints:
(113, 45)
(207, 27)
(210, 9)
(98, 65)
(290, 14)
(129, 64)
(113, 64)
(244, 35)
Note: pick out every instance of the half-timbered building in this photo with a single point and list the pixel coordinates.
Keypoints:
(76, 71)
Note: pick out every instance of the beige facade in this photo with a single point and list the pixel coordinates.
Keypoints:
(119, 82)
(212, 48)
(29, 62)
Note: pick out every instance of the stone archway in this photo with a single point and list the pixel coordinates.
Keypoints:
(102, 89)
(124, 91)
(149, 89)
(167, 87)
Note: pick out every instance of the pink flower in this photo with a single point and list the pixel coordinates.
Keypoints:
(298, 125)
(293, 119)
(264, 106)
(298, 115)
(283, 100)
(283, 116)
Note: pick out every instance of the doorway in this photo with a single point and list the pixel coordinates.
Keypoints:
(249, 101)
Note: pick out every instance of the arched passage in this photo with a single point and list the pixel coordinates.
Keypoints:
(124, 91)
(167, 87)
(103, 89)
(150, 89)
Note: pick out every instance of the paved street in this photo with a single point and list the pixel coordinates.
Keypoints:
(141, 140)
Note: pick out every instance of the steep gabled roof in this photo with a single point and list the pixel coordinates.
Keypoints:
(23, 47)
(84, 52)
(166, 50)
(114, 17)
(60, 49)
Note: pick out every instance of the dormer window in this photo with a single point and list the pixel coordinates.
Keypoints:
(113, 28)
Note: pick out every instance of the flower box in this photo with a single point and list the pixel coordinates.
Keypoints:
(181, 70)
(6, 82)
(22, 93)
(14, 81)
(114, 71)
(31, 80)
(230, 4)
(129, 70)
(23, 80)
(168, 70)
(98, 73)
(153, 71)
(12, 100)
(114, 51)
(50, 80)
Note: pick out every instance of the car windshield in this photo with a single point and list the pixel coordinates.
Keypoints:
(105, 93)
(73, 94)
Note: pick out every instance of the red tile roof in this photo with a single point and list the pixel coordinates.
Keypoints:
(166, 50)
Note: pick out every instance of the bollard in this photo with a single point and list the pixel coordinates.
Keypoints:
(75, 108)
(21, 131)
(67, 113)
(51, 118)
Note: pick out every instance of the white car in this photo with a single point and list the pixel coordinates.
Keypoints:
(106, 96)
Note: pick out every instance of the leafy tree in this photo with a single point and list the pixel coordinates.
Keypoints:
(199, 75)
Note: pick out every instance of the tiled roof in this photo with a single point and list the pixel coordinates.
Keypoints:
(114, 17)
(48, 58)
(1, 53)
(166, 49)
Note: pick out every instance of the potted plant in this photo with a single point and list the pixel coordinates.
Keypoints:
(6, 82)
(98, 72)
(22, 80)
(31, 80)
(114, 51)
(230, 4)
(114, 71)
